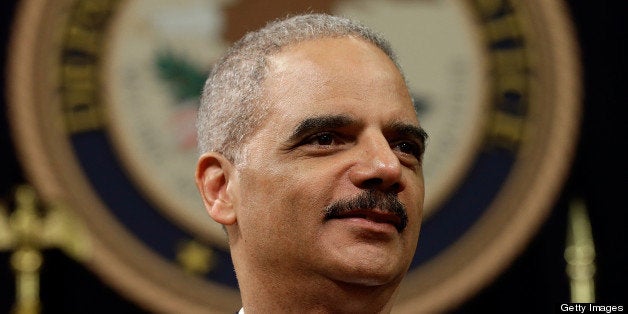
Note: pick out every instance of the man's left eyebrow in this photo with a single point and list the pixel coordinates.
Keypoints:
(409, 130)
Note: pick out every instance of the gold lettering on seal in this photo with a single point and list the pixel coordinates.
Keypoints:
(80, 62)
(510, 72)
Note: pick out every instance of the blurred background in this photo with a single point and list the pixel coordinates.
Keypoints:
(534, 283)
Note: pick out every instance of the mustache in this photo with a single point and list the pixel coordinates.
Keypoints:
(370, 200)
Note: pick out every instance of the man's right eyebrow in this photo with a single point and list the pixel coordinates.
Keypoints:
(320, 123)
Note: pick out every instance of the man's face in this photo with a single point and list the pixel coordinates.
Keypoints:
(341, 124)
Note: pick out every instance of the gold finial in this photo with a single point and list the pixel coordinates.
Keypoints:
(26, 260)
(580, 254)
(25, 221)
(29, 229)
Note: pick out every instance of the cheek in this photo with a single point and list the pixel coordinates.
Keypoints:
(415, 199)
(276, 202)
(279, 213)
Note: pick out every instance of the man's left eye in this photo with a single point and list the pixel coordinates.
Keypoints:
(323, 139)
(408, 148)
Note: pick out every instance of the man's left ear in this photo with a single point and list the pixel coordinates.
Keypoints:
(213, 174)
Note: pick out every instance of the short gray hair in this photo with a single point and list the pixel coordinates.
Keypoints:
(231, 103)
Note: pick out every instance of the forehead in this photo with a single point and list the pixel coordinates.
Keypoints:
(336, 75)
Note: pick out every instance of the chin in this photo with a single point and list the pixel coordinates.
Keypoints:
(373, 270)
(365, 261)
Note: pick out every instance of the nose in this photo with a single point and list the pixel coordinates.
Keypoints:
(377, 166)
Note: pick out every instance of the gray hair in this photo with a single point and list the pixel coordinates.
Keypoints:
(231, 104)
